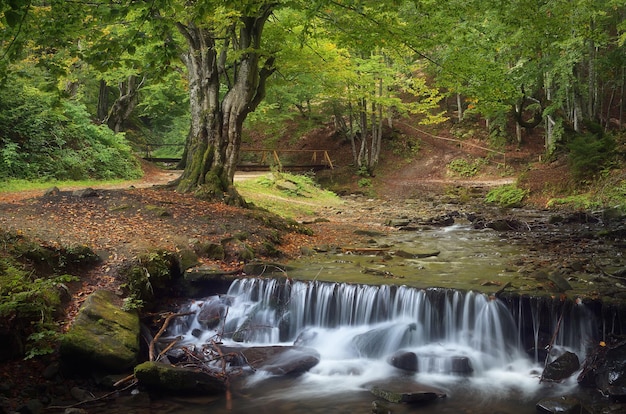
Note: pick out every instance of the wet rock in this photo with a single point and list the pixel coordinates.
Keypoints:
(292, 362)
(560, 282)
(562, 367)
(177, 380)
(561, 405)
(372, 343)
(605, 369)
(265, 268)
(305, 338)
(506, 225)
(410, 393)
(441, 221)
(416, 254)
(400, 222)
(277, 360)
(211, 313)
(204, 280)
(405, 360)
(102, 335)
(80, 394)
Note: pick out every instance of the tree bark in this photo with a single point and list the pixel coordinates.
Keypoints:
(103, 101)
(124, 105)
(214, 140)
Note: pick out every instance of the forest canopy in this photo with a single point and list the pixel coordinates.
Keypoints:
(83, 85)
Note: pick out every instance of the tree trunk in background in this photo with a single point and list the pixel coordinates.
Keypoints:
(103, 101)
(124, 106)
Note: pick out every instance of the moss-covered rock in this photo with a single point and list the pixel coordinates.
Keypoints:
(170, 379)
(102, 335)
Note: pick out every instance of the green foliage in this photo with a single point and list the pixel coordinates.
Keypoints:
(590, 154)
(28, 305)
(575, 202)
(506, 196)
(464, 168)
(151, 274)
(364, 183)
(43, 136)
(405, 146)
(32, 288)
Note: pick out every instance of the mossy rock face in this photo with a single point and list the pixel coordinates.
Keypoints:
(169, 379)
(102, 336)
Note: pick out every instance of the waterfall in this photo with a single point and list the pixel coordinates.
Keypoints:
(373, 322)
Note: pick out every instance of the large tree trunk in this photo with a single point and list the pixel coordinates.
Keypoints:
(214, 140)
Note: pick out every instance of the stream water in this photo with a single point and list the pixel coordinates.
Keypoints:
(486, 354)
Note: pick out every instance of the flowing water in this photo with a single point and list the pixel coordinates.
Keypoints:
(485, 353)
(356, 328)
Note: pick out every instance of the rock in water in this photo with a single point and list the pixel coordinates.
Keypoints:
(562, 405)
(410, 393)
(562, 367)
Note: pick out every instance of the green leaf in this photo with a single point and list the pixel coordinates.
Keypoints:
(12, 17)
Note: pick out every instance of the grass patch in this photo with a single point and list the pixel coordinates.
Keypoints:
(506, 196)
(16, 185)
(287, 195)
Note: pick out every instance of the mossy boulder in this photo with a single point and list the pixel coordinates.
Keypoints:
(102, 336)
(178, 380)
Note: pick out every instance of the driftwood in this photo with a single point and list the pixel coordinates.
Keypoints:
(161, 331)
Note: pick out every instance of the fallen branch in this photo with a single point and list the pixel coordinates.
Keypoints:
(551, 344)
(101, 398)
(162, 330)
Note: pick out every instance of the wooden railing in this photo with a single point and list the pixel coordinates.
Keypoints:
(264, 158)
(268, 158)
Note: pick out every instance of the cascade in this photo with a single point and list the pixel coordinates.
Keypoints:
(480, 350)
(373, 322)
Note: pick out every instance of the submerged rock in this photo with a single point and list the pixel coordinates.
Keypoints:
(561, 405)
(410, 393)
(102, 335)
(416, 254)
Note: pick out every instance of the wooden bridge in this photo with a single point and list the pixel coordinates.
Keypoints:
(251, 159)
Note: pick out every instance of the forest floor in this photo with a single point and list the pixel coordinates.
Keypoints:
(122, 221)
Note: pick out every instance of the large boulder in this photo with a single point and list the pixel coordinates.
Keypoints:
(169, 379)
(103, 336)
(562, 367)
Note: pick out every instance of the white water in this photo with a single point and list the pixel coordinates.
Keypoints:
(356, 328)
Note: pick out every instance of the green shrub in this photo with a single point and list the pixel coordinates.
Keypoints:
(506, 196)
(42, 136)
(590, 154)
(464, 168)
